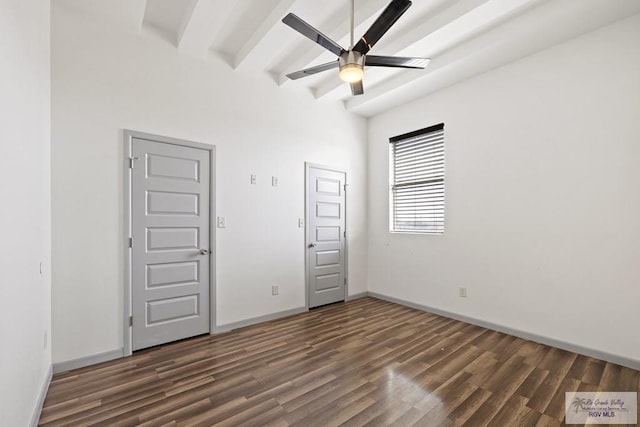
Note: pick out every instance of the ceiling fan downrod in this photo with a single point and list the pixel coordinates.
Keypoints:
(353, 8)
(351, 62)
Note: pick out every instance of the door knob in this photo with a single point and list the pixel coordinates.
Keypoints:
(204, 252)
(313, 245)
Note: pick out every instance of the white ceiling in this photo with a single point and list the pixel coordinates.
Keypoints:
(462, 37)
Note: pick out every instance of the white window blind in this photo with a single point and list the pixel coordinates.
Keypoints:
(417, 181)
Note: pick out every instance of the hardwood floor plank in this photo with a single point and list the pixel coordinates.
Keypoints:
(300, 389)
(514, 412)
(529, 387)
(345, 414)
(489, 408)
(382, 413)
(208, 417)
(170, 411)
(315, 401)
(593, 372)
(55, 414)
(449, 397)
(365, 362)
(543, 395)
(579, 367)
(533, 352)
(509, 377)
(547, 421)
(449, 390)
(252, 414)
(469, 406)
(611, 376)
(411, 418)
(558, 361)
(348, 405)
(483, 363)
(556, 407)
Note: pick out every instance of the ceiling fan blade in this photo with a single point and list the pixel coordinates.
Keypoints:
(311, 33)
(357, 88)
(396, 61)
(313, 70)
(388, 17)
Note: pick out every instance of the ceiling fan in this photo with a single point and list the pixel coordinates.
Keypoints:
(351, 62)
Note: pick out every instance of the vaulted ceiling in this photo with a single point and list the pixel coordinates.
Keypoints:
(462, 37)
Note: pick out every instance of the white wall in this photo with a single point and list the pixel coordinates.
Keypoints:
(542, 198)
(105, 80)
(25, 294)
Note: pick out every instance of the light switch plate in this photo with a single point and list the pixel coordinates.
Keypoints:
(221, 222)
(300, 222)
(253, 179)
(274, 181)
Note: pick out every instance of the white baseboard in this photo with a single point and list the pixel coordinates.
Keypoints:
(596, 354)
(357, 296)
(93, 359)
(37, 410)
(267, 317)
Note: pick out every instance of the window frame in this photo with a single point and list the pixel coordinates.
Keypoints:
(434, 229)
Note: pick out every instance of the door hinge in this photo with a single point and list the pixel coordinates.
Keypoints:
(345, 280)
(344, 233)
(130, 320)
(345, 187)
(131, 160)
(130, 242)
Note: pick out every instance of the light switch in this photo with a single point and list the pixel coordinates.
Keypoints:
(300, 222)
(274, 181)
(253, 179)
(221, 222)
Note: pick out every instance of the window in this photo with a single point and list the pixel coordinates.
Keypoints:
(417, 181)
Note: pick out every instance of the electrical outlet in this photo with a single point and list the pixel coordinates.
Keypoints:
(253, 179)
(275, 289)
(221, 222)
(462, 292)
(274, 181)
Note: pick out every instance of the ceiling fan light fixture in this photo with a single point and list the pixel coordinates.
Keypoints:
(351, 66)
(351, 73)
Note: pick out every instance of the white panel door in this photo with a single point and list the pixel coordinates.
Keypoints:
(326, 240)
(170, 252)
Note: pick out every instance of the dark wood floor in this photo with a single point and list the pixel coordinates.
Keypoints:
(366, 362)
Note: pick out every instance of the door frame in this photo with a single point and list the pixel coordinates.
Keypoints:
(307, 166)
(128, 136)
